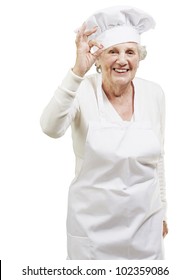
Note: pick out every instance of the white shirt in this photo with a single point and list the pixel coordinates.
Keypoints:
(74, 103)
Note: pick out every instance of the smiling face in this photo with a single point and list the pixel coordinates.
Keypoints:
(119, 64)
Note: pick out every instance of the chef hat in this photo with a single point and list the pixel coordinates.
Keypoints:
(119, 24)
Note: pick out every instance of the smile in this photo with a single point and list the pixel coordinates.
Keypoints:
(120, 70)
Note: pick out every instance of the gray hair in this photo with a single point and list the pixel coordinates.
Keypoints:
(142, 51)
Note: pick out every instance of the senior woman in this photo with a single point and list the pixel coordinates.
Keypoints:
(116, 203)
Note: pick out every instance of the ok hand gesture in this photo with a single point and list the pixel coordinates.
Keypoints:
(85, 59)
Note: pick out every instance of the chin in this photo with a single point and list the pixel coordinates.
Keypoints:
(121, 80)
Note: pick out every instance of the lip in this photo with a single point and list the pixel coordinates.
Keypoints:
(120, 70)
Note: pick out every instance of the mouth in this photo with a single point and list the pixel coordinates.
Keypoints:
(118, 70)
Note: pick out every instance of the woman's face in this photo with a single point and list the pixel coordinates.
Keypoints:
(119, 64)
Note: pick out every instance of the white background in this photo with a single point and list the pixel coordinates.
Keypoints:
(37, 48)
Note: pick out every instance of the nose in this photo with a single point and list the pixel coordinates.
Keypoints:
(122, 58)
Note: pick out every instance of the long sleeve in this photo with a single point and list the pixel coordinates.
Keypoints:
(161, 168)
(62, 108)
(161, 175)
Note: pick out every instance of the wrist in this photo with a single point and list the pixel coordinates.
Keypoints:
(78, 72)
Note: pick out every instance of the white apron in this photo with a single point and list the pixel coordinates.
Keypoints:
(114, 207)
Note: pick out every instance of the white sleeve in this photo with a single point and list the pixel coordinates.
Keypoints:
(161, 169)
(161, 175)
(62, 108)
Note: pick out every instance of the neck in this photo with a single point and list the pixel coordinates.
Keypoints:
(118, 92)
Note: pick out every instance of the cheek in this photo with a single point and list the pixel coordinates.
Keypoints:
(135, 63)
(107, 62)
(106, 66)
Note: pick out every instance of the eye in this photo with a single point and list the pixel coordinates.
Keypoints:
(130, 52)
(111, 51)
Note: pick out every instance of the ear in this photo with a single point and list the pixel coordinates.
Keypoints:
(97, 62)
(138, 63)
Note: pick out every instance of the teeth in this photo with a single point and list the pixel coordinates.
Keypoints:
(120, 70)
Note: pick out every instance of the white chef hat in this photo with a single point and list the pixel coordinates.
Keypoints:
(119, 24)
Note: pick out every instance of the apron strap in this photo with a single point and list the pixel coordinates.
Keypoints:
(100, 95)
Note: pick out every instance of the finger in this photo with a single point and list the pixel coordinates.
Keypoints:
(83, 28)
(98, 53)
(165, 229)
(94, 43)
(89, 32)
(96, 48)
(82, 31)
(164, 234)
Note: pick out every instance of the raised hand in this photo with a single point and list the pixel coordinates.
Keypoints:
(84, 58)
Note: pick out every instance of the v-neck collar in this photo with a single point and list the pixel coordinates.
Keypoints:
(106, 108)
(111, 111)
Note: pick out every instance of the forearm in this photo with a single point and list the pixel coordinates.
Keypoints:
(62, 108)
(162, 185)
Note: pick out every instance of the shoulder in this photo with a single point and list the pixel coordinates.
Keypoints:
(88, 86)
(89, 82)
(147, 87)
(149, 92)
(87, 91)
(90, 79)
(150, 96)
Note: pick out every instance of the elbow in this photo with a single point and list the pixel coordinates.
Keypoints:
(49, 130)
(51, 134)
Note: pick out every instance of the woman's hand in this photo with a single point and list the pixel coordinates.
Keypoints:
(165, 229)
(85, 59)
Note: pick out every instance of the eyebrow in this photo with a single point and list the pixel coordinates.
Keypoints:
(126, 49)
